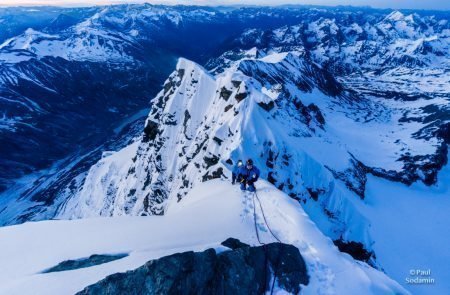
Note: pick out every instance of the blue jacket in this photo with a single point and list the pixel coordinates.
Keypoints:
(249, 174)
(236, 169)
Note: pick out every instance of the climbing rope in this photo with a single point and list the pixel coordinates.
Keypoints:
(245, 107)
(254, 218)
(255, 195)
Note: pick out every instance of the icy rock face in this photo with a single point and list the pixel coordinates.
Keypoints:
(157, 165)
(197, 125)
(245, 270)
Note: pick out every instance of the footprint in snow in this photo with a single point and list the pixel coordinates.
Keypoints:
(261, 227)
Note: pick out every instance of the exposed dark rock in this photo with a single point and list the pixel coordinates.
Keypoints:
(146, 203)
(355, 178)
(181, 73)
(240, 96)
(170, 85)
(236, 83)
(214, 175)
(218, 140)
(317, 114)
(187, 116)
(169, 119)
(354, 249)
(211, 161)
(397, 95)
(327, 83)
(267, 106)
(426, 165)
(314, 193)
(245, 270)
(174, 81)
(227, 108)
(234, 244)
(225, 93)
(271, 179)
(310, 113)
(150, 131)
(156, 198)
(286, 159)
(444, 132)
(84, 262)
(270, 159)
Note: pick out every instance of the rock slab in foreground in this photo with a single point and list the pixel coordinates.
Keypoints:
(245, 270)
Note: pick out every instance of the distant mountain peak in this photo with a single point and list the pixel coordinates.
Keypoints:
(395, 16)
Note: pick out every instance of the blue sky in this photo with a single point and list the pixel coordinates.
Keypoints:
(416, 4)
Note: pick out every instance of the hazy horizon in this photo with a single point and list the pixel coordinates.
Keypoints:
(382, 4)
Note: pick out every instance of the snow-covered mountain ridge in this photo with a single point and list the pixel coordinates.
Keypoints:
(398, 56)
(346, 113)
(137, 45)
(215, 211)
(201, 124)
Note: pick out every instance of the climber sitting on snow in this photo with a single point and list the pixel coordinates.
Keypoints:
(248, 175)
(235, 172)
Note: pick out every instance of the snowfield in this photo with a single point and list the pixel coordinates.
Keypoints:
(212, 212)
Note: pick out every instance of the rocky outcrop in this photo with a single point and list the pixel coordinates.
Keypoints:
(356, 250)
(242, 270)
(92, 260)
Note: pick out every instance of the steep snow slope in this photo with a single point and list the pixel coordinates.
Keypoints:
(212, 212)
(322, 105)
(414, 225)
